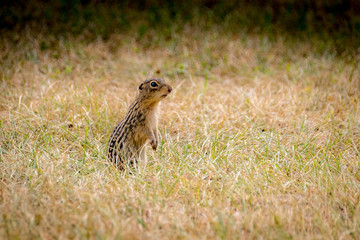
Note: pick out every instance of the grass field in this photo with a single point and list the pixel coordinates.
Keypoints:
(259, 139)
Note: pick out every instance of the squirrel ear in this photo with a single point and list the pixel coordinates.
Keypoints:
(141, 86)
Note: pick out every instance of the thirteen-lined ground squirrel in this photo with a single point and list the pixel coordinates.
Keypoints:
(139, 126)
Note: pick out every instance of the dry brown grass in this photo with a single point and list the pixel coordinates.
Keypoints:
(259, 140)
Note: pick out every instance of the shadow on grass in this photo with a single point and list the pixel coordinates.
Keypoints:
(334, 21)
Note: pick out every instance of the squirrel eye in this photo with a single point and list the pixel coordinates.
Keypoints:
(153, 84)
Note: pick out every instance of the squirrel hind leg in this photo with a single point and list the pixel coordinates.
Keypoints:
(142, 154)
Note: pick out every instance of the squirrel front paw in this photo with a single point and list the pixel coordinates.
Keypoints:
(153, 144)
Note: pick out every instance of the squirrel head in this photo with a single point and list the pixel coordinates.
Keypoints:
(154, 89)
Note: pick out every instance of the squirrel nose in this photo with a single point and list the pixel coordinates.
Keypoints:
(169, 89)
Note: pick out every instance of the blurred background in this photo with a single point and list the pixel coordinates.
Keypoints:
(336, 22)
